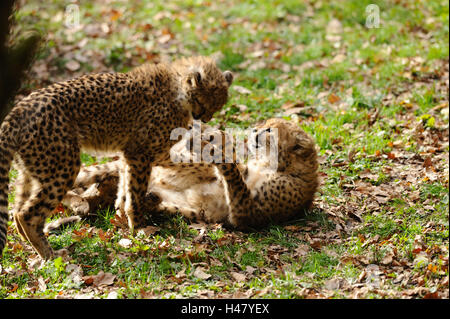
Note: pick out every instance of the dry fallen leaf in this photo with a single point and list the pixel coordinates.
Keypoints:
(250, 270)
(432, 295)
(238, 276)
(339, 58)
(297, 110)
(333, 98)
(427, 162)
(316, 244)
(112, 295)
(421, 260)
(292, 228)
(290, 105)
(199, 273)
(241, 89)
(332, 284)
(387, 259)
(80, 234)
(101, 279)
(75, 273)
(391, 155)
(88, 280)
(14, 288)
(164, 38)
(41, 283)
(120, 221)
(104, 236)
(302, 250)
(125, 243)
(368, 175)
(72, 65)
(115, 15)
(242, 107)
(149, 230)
(334, 27)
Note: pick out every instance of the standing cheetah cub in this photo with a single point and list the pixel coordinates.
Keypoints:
(131, 113)
(239, 195)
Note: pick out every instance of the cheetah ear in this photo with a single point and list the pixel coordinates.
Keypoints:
(194, 79)
(228, 76)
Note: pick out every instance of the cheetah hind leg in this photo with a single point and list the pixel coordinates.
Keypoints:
(86, 202)
(77, 203)
(30, 220)
(54, 226)
(45, 195)
(24, 187)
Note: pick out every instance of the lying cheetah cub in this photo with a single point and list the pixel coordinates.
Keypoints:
(238, 195)
(131, 113)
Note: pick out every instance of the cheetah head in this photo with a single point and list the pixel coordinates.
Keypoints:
(296, 149)
(205, 86)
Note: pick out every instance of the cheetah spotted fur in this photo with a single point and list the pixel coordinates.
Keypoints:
(131, 113)
(242, 196)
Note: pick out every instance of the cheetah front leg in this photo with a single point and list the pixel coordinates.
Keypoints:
(136, 177)
(194, 215)
(121, 192)
(244, 212)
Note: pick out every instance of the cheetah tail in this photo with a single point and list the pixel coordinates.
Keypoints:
(6, 157)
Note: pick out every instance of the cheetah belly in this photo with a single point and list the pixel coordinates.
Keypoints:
(213, 202)
(257, 175)
(205, 200)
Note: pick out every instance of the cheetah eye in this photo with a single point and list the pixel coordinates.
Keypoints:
(194, 79)
(257, 141)
(296, 147)
(198, 77)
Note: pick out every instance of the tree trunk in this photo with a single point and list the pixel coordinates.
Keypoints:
(15, 60)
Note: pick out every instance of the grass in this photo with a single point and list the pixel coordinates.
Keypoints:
(389, 83)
